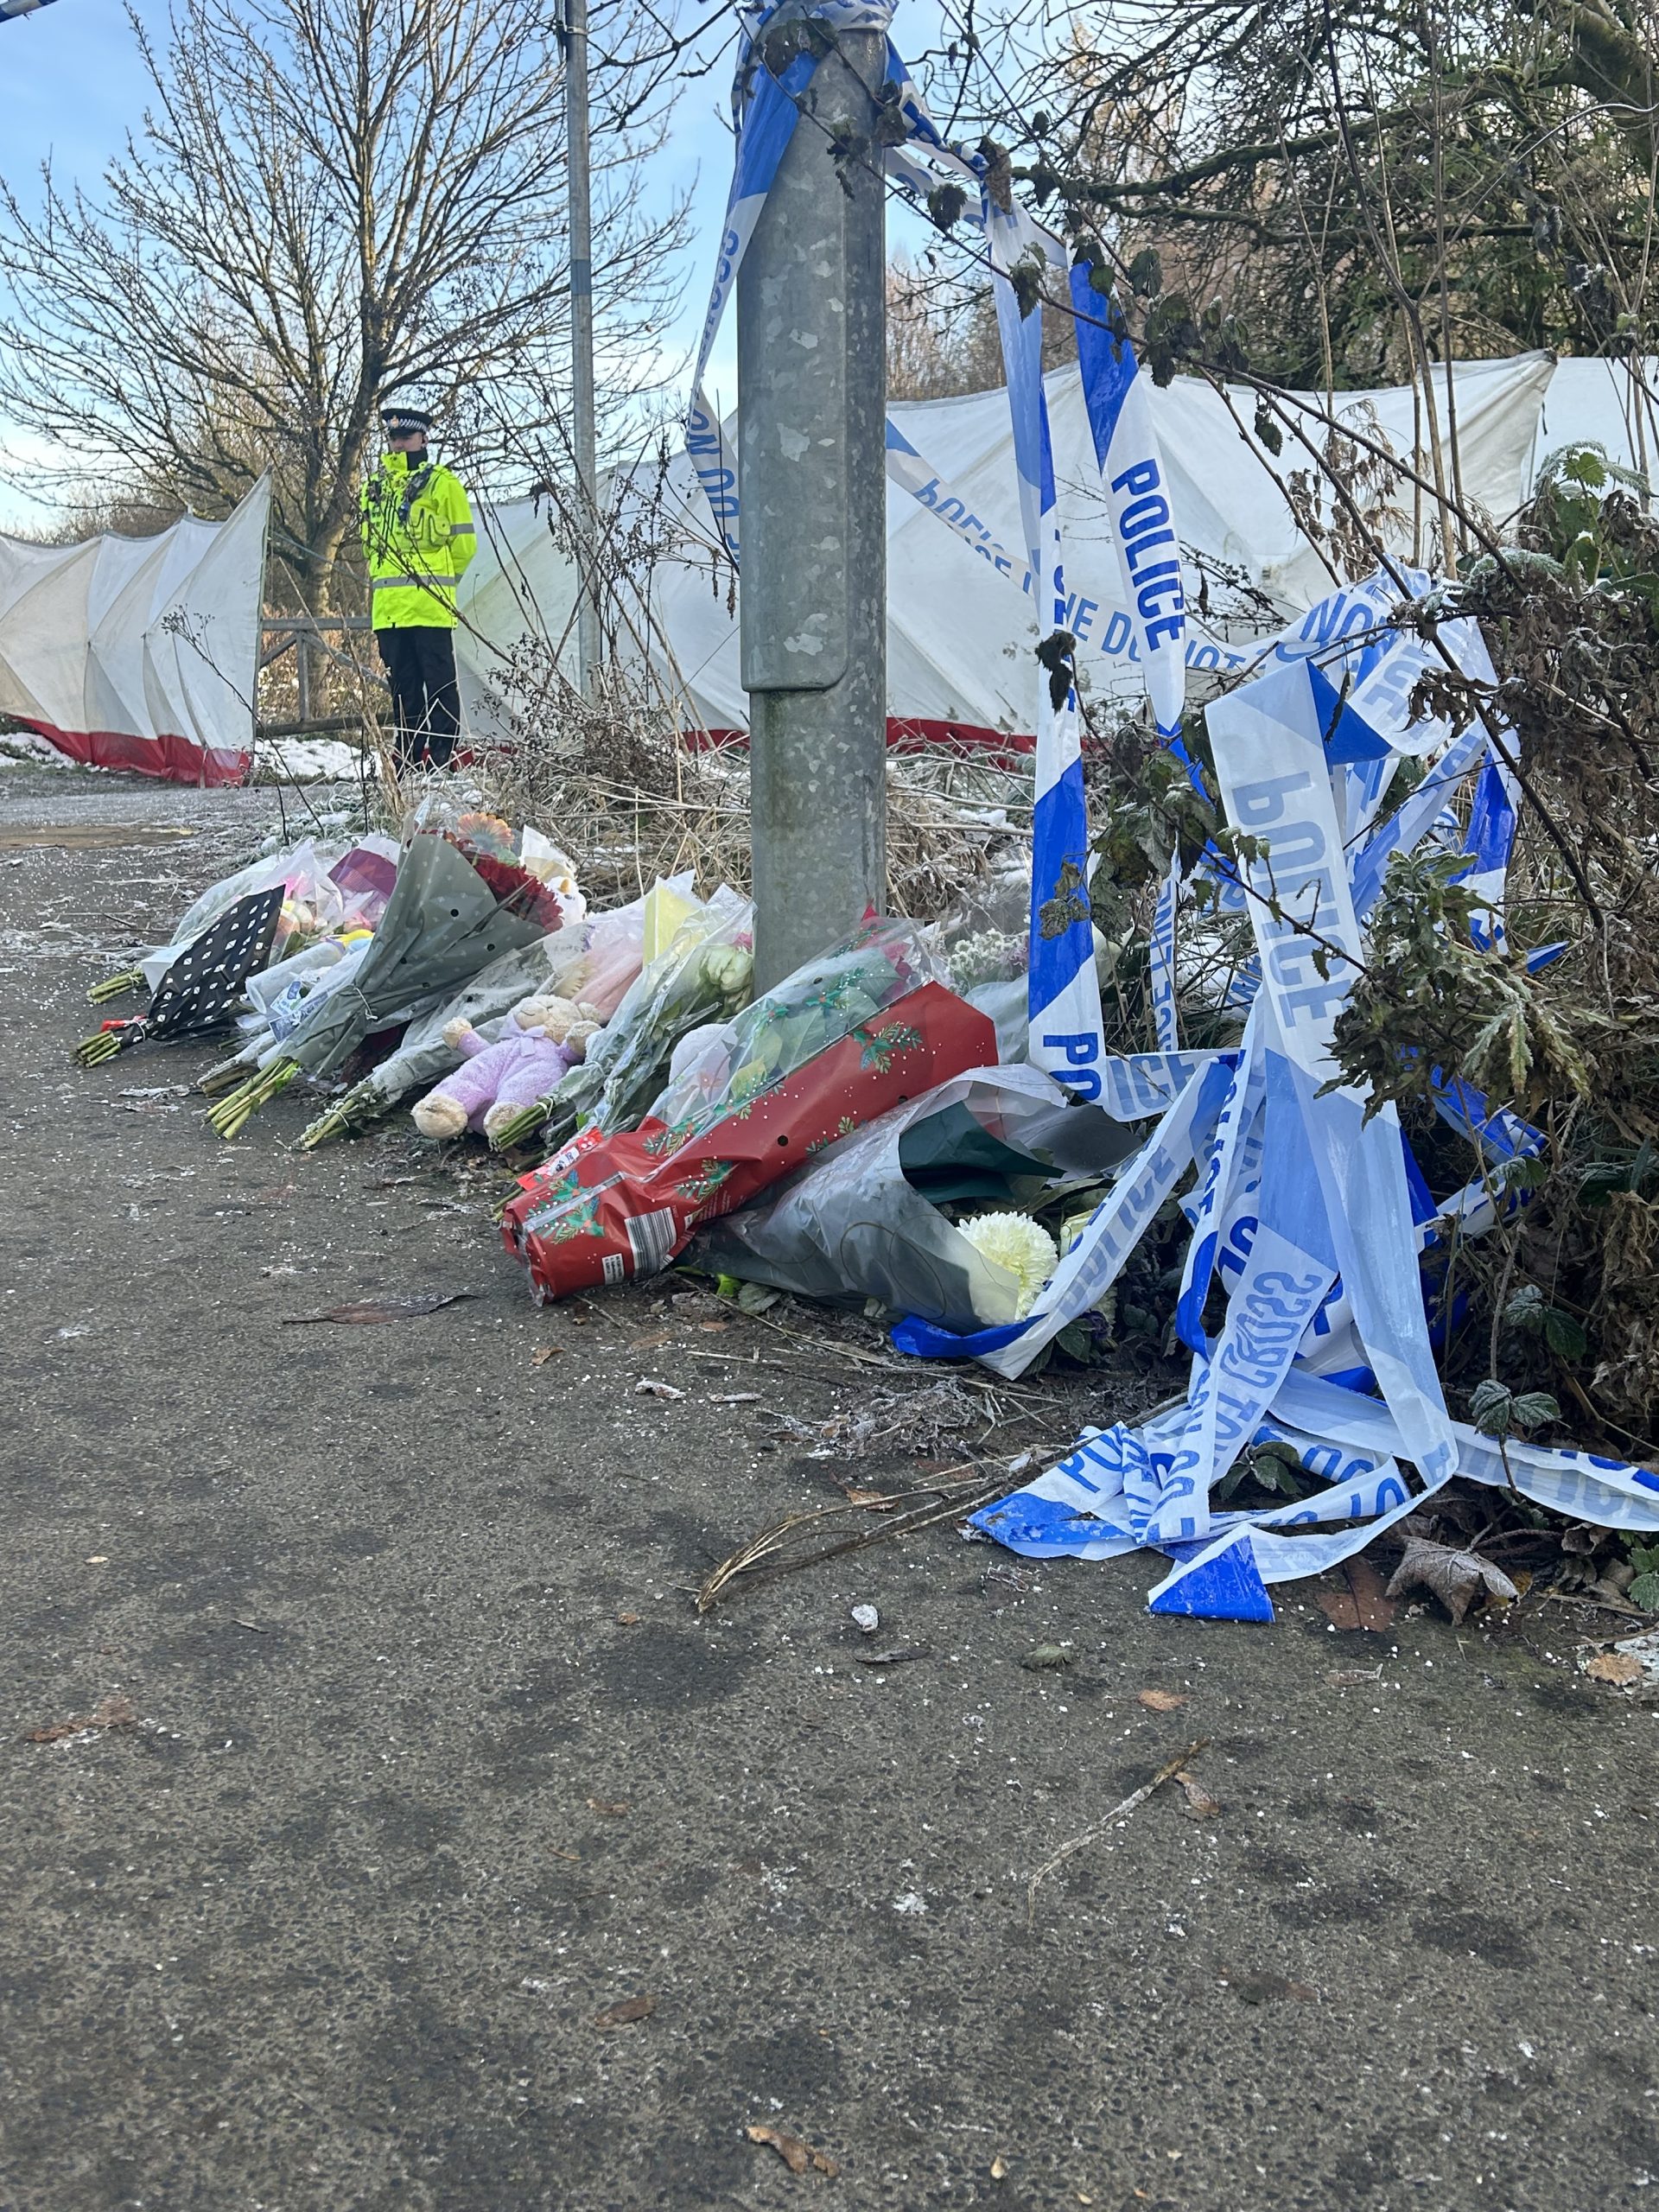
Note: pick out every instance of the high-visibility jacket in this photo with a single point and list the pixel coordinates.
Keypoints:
(418, 538)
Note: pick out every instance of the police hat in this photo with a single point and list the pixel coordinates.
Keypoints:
(398, 419)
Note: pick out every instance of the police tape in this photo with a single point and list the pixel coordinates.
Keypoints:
(1309, 1216)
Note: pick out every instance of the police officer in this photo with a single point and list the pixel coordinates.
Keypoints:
(418, 538)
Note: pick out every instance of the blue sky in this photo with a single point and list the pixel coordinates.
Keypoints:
(72, 87)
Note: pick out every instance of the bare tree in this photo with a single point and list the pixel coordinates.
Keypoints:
(942, 336)
(1360, 190)
(329, 202)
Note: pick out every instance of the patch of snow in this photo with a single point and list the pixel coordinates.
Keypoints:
(310, 761)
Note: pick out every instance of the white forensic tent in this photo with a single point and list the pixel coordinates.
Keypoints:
(519, 592)
(140, 653)
(1613, 405)
(960, 635)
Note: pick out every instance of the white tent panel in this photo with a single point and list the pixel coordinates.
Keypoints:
(960, 635)
(1613, 405)
(43, 629)
(519, 592)
(140, 653)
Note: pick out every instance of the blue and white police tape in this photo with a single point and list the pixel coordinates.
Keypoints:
(1065, 1033)
(1310, 1214)
(1137, 487)
(765, 111)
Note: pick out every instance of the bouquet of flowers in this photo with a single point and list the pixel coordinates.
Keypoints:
(839, 1042)
(595, 961)
(203, 987)
(325, 888)
(461, 901)
(703, 975)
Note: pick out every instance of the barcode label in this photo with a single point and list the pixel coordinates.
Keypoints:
(614, 1270)
(652, 1237)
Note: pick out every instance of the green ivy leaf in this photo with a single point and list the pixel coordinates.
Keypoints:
(1532, 1409)
(1146, 274)
(1564, 1336)
(1491, 1407)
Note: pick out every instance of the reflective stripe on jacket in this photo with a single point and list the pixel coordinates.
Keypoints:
(418, 538)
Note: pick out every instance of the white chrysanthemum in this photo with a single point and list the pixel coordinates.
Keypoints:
(1024, 1247)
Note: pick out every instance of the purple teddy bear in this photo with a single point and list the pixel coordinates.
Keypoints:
(543, 1041)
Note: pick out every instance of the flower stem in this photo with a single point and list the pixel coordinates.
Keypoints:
(113, 986)
(234, 1110)
(524, 1125)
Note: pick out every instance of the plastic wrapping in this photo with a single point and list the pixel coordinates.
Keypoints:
(856, 1224)
(595, 961)
(704, 974)
(825, 999)
(609, 1209)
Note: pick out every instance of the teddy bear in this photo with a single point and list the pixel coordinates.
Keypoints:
(541, 1041)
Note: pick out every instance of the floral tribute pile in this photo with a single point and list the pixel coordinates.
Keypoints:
(864, 1029)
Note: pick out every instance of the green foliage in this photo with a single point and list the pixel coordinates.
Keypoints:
(1531, 1313)
(1496, 1410)
(1430, 999)
(945, 204)
(1146, 273)
(1644, 1591)
(1274, 1467)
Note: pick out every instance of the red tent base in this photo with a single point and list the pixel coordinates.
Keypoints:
(178, 760)
(174, 760)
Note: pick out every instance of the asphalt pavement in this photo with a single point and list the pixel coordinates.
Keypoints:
(426, 1850)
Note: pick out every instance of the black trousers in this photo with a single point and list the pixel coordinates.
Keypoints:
(425, 696)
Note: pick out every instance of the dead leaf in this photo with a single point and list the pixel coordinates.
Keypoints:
(624, 2012)
(896, 1657)
(1616, 1667)
(798, 2157)
(736, 1398)
(362, 1310)
(999, 2168)
(1199, 1804)
(874, 1501)
(714, 1328)
(1365, 1604)
(112, 1712)
(1456, 1577)
(628, 1620)
(98, 1558)
(649, 1387)
(1158, 1701)
(1352, 1678)
(548, 1351)
(601, 1805)
(1045, 1655)
(649, 1342)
